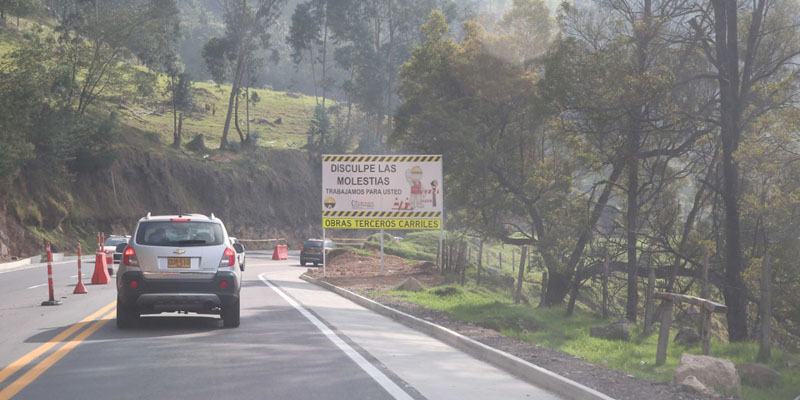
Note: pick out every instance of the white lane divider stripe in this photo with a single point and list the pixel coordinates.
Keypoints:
(35, 286)
(370, 369)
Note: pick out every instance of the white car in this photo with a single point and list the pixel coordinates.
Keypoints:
(240, 252)
(110, 248)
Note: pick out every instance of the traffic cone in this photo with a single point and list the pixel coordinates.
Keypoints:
(79, 288)
(100, 276)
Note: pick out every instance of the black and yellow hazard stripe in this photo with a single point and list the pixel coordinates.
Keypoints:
(383, 214)
(385, 158)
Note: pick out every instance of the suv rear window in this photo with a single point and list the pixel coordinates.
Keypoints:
(318, 243)
(169, 233)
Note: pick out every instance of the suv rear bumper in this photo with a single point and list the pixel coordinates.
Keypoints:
(153, 296)
(311, 257)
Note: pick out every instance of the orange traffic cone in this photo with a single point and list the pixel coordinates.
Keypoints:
(100, 276)
(79, 288)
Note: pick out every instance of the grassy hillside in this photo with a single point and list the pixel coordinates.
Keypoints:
(280, 119)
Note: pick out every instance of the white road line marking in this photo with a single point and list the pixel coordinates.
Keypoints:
(35, 286)
(37, 265)
(370, 369)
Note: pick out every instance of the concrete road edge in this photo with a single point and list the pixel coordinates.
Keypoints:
(531, 373)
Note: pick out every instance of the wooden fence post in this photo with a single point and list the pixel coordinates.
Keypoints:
(705, 331)
(663, 332)
(513, 259)
(648, 305)
(521, 277)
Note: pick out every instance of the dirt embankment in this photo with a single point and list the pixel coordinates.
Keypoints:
(271, 193)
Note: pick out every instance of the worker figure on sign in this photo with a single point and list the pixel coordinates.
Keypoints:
(414, 178)
(434, 183)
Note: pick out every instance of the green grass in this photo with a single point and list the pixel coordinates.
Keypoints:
(550, 328)
(294, 113)
(152, 115)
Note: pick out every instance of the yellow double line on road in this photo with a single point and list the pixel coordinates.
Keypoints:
(53, 358)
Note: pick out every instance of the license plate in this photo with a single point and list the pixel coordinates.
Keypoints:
(179, 262)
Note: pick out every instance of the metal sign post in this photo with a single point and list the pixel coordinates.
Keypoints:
(324, 255)
(381, 252)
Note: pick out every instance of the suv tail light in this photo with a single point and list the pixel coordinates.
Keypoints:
(228, 258)
(129, 257)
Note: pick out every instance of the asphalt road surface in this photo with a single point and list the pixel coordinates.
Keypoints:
(296, 341)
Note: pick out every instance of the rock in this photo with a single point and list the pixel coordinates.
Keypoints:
(410, 285)
(718, 374)
(687, 337)
(604, 364)
(692, 384)
(758, 375)
(620, 330)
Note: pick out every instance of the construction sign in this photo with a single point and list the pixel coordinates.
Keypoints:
(382, 192)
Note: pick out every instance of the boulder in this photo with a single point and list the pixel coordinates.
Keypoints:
(715, 373)
(620, 330)
(693, 384)
(687, 337)
(758, 375)
(410, 285)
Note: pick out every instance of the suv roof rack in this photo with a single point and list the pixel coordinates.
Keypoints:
(148, 215)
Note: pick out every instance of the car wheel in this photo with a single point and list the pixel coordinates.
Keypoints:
(303, 263)
(316, 264)
(230, 315)
(127, 317)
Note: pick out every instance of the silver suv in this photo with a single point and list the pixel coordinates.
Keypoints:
(178, 263)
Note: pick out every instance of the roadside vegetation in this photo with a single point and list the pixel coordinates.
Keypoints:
(643, 137)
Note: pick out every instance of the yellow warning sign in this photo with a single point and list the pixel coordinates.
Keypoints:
(382, 223)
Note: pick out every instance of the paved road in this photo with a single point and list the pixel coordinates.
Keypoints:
(296, 341)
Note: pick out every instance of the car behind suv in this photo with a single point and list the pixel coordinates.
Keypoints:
(311, 251)
(178, 263)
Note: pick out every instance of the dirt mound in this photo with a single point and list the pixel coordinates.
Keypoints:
(355, 270)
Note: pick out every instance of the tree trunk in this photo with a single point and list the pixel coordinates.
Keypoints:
(632, 302)
(324, 55)
(558, 284)
(175, 139)
(247, 108)
(766, 311)
(734, 289)
(597, 211)
(236, 121)
(576, 286)
(179, 135)
(237, 79)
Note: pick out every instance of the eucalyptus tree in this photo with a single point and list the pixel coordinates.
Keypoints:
(510, 172)
(755, 68)
(233, 55)
(375, 37)
(639, 49)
